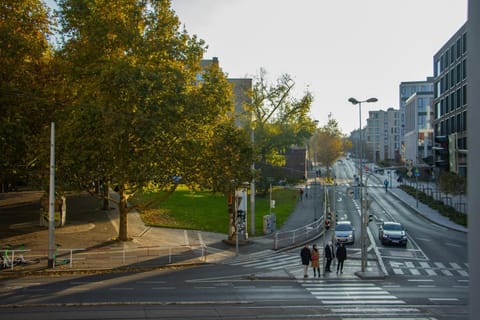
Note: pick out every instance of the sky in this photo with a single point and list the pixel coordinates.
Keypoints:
(336, 49)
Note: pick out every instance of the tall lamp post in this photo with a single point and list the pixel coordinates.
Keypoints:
(364, 219)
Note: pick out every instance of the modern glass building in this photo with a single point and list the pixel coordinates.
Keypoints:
(450, 100)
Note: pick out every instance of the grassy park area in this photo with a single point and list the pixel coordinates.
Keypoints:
(204, 210)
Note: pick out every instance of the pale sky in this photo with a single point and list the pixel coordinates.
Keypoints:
(335, 48)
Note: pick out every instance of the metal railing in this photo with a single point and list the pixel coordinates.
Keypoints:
(108, 257)
(284, 239)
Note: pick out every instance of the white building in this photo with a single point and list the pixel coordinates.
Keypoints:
(419, 128)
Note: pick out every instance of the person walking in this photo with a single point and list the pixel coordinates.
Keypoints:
(306, 257)
(315, 257)
(341, 257)
(329, 255)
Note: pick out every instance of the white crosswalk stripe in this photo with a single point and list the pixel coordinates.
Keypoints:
(274, 262)
(419, 268)
(349, 293)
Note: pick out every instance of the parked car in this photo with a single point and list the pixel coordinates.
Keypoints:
(391, 232)
(344, 232)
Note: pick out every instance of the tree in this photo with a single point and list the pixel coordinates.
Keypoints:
(137, 116)
(329, 144)
(452, 183)
(280, 120)
(25, 87)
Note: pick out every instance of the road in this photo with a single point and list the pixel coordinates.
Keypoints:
(426, 280)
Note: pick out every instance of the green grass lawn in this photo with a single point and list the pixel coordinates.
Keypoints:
(204, 210)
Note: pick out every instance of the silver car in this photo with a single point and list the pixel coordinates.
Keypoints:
(344, 232)
(392, 233)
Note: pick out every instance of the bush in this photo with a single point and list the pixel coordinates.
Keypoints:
(446, 211)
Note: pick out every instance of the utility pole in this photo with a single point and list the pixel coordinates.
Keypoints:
(51, 200)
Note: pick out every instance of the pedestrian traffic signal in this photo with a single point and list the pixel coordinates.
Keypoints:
(327, 224)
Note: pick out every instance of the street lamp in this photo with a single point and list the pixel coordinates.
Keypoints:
(364, 219)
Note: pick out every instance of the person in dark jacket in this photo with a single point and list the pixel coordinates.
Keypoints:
(341, 257)
(306, 257)
(329, 255)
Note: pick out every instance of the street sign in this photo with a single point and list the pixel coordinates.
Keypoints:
(416, 172)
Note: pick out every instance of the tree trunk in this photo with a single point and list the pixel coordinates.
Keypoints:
(106, 201)
(122, 208)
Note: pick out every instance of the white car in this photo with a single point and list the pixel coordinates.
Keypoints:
(344, 232)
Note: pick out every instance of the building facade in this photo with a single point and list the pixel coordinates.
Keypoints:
(406, 90)
(383, 135)
(418, 137)
(450, 103)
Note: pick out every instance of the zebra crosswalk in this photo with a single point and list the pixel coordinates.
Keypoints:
(273, 262)
(427, 268)
(349, 293)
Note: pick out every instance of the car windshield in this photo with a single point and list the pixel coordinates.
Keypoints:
(393, 227)
(343, 227)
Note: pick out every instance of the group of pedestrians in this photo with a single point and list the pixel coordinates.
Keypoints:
(312, 258)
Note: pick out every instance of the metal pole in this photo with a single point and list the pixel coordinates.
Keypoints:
(51, 200)
(252, 188)
(362, 211)
(325, 192)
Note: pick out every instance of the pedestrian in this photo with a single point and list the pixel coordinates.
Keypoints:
(301, 194)
(329, 255)
(306, 257)
(315, 257)
(341, 256)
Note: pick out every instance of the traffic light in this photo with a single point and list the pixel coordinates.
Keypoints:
(327, 224)
(441, 152)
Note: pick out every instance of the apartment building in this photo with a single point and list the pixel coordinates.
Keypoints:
(383, 135)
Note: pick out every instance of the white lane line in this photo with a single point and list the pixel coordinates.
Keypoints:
(163, 288)
(443, 299)
(363, 302)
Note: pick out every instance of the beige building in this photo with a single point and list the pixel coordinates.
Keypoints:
(383, 135)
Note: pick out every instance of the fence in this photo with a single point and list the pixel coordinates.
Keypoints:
(299, 235)
(105, 258)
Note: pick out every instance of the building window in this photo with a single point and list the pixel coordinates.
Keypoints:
(459, 99)
(464, 95)
(459, 73)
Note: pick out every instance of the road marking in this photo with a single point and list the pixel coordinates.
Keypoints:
(185, 235)
(443, 299)
(363, 302)
(163, 288)
(446, 272)
(414, 272)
